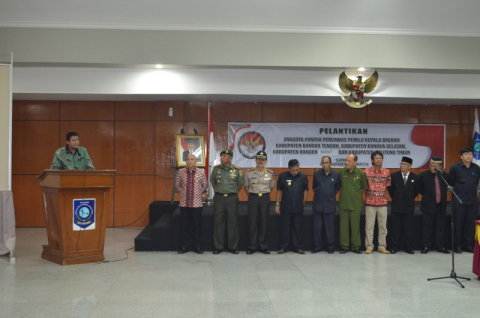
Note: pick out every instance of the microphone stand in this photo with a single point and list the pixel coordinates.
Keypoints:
(452, 273)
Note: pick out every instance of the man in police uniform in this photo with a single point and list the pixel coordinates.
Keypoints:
(226, 180)
(258, 184)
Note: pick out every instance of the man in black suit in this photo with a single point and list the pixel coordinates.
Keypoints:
(190, 150)
(404, 190)
(433, 206)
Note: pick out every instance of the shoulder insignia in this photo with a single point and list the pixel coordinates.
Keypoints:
(216, 166)
(236, 167)
(271, 171)
(251, 169)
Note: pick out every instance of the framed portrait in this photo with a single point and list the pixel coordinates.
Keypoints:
(190, 144)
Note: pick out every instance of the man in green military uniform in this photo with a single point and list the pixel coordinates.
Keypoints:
(353, 184)
(258, 183)
(72, 156)
(226, 180)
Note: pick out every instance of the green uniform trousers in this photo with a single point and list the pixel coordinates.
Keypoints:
(225, 208)
(350, 221)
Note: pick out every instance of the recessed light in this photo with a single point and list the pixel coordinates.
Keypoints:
(159, 66)
(361, 69)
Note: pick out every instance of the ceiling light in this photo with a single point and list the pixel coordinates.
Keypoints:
(361, 69)
(159, 66)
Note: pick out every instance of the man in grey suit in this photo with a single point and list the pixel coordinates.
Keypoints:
(326, 184)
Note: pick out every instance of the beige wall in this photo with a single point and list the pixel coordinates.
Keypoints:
(4, 126)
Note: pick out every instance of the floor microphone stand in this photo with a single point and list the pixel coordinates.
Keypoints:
(453, 275)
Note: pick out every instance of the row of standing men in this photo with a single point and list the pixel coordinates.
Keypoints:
(358, 189)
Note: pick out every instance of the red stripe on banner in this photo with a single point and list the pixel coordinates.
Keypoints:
(232, 146)
(432, 137)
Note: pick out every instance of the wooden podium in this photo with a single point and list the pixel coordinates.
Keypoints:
(69, 243)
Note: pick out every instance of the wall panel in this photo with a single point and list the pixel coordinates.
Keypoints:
(135, 147)
(133, 195)
(162, 109)
(96, 136)
(402, 114)
(232, 112)
(287, 113)
(339, 113)
(33, 145)
(28, 201)
(458, 136)
(195, 111)
(136, 111)
(87, 110)
(442, 114)
(165, 151)
(35, 110)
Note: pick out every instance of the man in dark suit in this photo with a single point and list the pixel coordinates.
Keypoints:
(326, 184)
(433, 206)
(404, 190)
(190, 150)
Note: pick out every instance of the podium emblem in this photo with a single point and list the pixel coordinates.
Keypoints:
(83, 214)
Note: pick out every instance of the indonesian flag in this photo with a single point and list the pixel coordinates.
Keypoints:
(211, 155)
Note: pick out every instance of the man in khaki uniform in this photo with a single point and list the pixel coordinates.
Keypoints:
(226, 180)
(258, 184)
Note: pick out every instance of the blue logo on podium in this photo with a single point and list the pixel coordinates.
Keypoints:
(83, 214)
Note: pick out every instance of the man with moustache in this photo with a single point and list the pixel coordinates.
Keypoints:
(433, 206)
(192, 184)
(378, 179)
(353, 184)
(258, 184)
(465, 176)
(227, 180)
(326, 184)
(292, 187)
(404, 190)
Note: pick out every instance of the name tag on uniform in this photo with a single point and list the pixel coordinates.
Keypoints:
(266, 179)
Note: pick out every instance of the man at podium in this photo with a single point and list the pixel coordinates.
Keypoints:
(72, 156)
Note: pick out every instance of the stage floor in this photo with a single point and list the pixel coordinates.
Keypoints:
(165, 284)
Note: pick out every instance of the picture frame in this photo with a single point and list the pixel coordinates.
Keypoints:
(190, 143)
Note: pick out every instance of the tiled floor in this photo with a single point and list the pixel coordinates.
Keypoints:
(190, 285)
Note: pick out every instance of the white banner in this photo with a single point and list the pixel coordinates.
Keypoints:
(309, 142)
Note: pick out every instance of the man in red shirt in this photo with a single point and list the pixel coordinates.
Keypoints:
(378, 179)
(192, 183)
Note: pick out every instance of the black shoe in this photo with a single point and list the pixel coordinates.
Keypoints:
(234, 251)
(409, 251)
(217, 251)
(425, 250)
(467, 249)
(265, 251)
(250, 251)
(183, 250)
(198, 250)
(342, 251)
(357, 251)
(443, 250)
(281, 251)
(317, 250)
(393, 251)
(458, 250)
(300, 252)
(330, 251)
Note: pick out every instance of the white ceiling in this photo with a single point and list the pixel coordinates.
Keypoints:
(412, 17)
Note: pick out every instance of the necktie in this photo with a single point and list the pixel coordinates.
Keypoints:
(437, 189)
(405, 179)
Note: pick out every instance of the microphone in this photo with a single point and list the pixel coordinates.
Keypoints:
(438, 170)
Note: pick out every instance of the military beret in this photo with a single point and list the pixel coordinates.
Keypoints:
(227, 152)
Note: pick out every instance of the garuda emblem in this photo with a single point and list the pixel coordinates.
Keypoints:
(356, 89)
